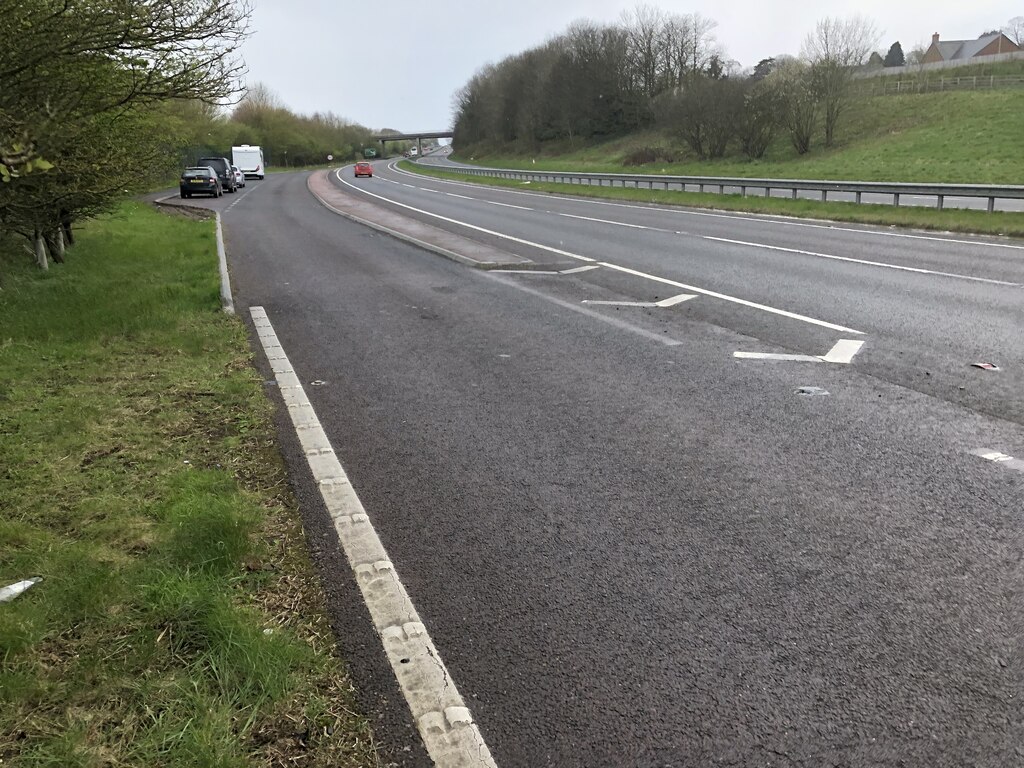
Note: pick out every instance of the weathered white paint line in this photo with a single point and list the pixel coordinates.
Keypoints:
(445, 724)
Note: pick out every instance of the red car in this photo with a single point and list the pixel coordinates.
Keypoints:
(364, 169)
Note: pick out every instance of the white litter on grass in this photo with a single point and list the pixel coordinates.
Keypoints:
(11, 591)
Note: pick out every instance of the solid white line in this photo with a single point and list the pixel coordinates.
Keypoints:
(684, 286)
(774, 356)
(548, 248)
(673, 300)
(462, 197)
(1002, 459)
(733, 299)
(992, 455)
(445, 724)
(527, 271)
(620, 303)
(843, 352)
(614, 321)
(801, 252)
(763, 218)
(576, 270)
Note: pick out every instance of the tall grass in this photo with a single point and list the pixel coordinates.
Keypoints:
(139, 478)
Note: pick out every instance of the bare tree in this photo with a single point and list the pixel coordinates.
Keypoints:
(791, 87)
(834, 50)
(644, 25)
(1014, 30)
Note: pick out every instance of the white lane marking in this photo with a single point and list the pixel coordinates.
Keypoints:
(463, 197)
(733, 299)
(842, 353)
(763, 218)
(671, 302)
(445, 724)
(637, 273)
(604, 221)
(774, 356)
(766, 246)
(614, 321)
(506, 205)
(572, 271)
(802, 252)
(548, 248)
(992, 455)
(1002, 459)
(526, 271)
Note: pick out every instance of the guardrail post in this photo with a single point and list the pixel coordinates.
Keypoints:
(824, 195)
(767, 191)
(794, 193)
(896, 199)
(938, 201)
(858, 198)
(721, 189)
(743, 190)
(991, 205)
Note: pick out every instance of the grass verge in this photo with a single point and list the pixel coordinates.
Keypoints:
(179, 621)
(948, 220)
(958, 137)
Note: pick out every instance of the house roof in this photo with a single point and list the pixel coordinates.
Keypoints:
(964, 49)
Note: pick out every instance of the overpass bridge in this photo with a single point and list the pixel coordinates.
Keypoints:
(417, 137)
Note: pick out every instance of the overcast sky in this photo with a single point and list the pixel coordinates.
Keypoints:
(397, 64)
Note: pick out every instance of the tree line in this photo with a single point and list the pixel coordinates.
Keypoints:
(654, 69)
(102, 97)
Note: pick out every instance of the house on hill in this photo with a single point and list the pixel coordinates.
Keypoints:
(960, 50)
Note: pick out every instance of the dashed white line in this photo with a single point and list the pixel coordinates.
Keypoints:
(763, 219)
(801, 252)
(445, 724)
(627, 270)
(733, 299)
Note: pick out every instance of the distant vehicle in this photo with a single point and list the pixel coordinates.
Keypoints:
(249, 158)
(413, 152)
(200, 181)
(224, 172)
(239, 176)
(363, 169)
(369, 152)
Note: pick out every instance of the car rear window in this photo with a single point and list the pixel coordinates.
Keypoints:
(192, 172)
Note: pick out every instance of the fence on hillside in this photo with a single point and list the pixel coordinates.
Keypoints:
(937, 84)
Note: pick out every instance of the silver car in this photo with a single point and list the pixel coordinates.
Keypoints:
(239, 176)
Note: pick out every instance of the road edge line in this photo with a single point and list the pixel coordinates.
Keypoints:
(445, 724)
(226, 302)
(451, 255)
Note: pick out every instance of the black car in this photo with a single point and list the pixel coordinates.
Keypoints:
(223, 168)
(200, 181)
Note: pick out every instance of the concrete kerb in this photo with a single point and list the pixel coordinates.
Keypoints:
(227, 303)
(425, 245)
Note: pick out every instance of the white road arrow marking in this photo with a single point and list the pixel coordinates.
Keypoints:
(670, 302)
(843, 353)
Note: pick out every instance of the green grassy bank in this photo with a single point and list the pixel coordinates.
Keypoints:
(178, 621)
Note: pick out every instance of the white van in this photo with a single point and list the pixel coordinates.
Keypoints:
(249, 160)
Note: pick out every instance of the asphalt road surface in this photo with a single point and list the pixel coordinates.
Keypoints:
(631, 546)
